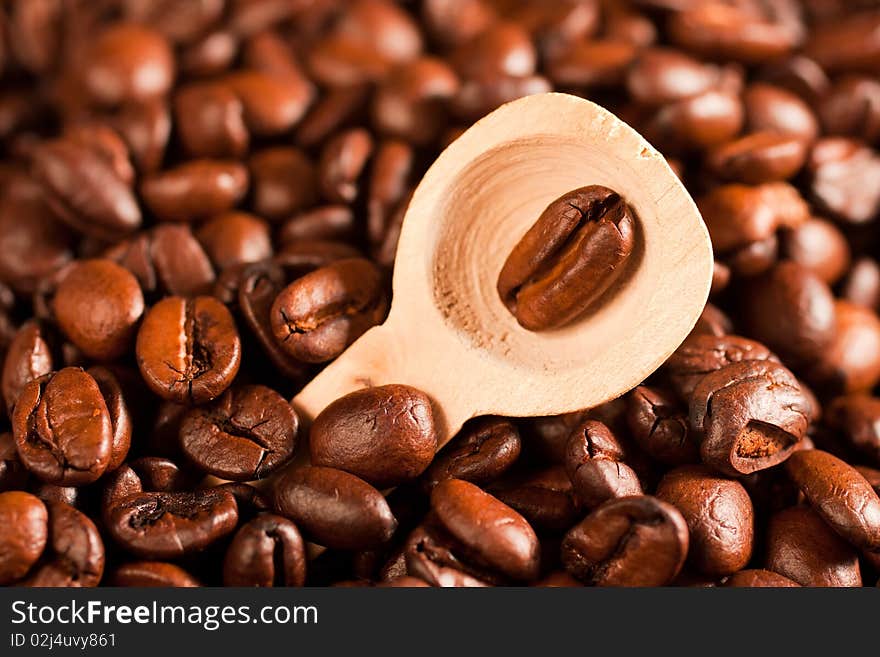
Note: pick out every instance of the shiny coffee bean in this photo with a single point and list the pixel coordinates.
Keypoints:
(719, 515)
(62, 428)
(480, 453)
(384, 435)
(267, 551)
(572, 255)
(629, 541)
(429, 556)
(195, 190)
(840, 172)
(660, 426)
(31, 354)
(188, 350)
(343, 159)
(759, 578)
(235, 238)
(74, 555)
(851, 361)
(318, 315)
(98, 305)
(334, 508)
(594, 461)
(547, 499)
(819, 246)
(143, 574)
(25, 521)
(490, 533)
(210, 120)
(120, 418)
(283, 182)
(839, 494)
(247, 433)
(802, 547)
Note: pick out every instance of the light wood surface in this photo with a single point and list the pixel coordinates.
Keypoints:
(448, 332)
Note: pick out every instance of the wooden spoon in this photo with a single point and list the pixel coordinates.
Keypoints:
(448, 332)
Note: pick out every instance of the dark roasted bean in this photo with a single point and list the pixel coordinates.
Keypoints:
(660, 426)
(25, 521)
(152, 574)
(594, 463)
(267, 551)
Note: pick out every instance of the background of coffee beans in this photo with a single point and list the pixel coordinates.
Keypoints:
(199, 209)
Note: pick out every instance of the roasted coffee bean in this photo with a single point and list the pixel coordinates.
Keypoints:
(819, 246)
(573, 254)
(283, 181)
(839, 494)
(327, 222)
(120, 418)
(389, 185)
(547, 500)
(385, 435)
(343, 159)
(245, 434)
(760, 157)
(188, 350)
(719, 516)
(143, 574)
(210, 120)
(127, 62)
(862, 284)
(852, 108)
(629, 541)
(146, 128)
(846, 44)
(318, 315)
(489, 533)
(250, 501)
(803, 548)
(334, 508)
(33, 243)
(698, 122)
(267, 551)
(594, 463)
(758, 578)
(775, 109)
(592, 63)
(791, 310)
(857, 418)
(841, 172)
(13, 474)
(62, 428)
(271, 104)
(235, 238)
(477, 97)
(74, 555)
(404, 581)
(480, 453)
(98, 305)
(336, 110)
(25, 521)
(30, 355)
(170, 525)
(429, 556)
(851, 361)
(84, 189)
(660, 426)
(752, 414)
(661, 76)
(195, 190)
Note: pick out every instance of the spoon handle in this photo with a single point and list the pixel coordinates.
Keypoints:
(385, 355)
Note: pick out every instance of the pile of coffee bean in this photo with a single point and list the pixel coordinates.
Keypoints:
(199, 208)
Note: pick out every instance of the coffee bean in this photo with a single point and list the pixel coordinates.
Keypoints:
(759, 578)
(759, 157)
(803, 548)
(389, 185)
(480, 453)
(773, 108)
(851, 361)
(188, 350)
(846, 44)
(852, 108)
(841, 171)
(13, 475)
(318, 315)
(142, 574)
(628, 541)
(862, 284)
(661, 75)
(334, 508)
(74, 555)
(490, 533)
(169, 525)
(267, 551)
(120, 418)
(271, 104)
(25, 521)
(707, 119)
(594, 461)
(146, 128)
(326, 222)
(385, 435)
(210, 120)
(195, 190)
(429, 557)
(245, 434)
(594, 63)
(235, 238)
(127, 62)
(839, 494)
(283, 181)
(98, 305)
(752, 414)
(31, 355)
(547, 499)
(660, 426)
(62, 428)
(343, 159)
(857, 418)
(819, 246)
(719, 516)
(573, 254)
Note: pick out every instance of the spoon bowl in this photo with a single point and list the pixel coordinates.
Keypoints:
(448, 332)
